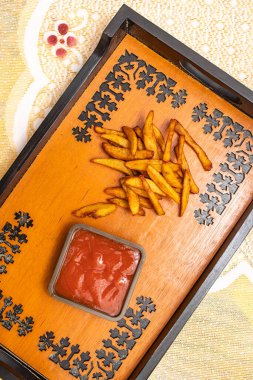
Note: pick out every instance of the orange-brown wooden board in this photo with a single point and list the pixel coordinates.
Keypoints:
(62, 179)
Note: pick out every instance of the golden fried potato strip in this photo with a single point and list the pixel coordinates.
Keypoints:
(152, 196)
(140, 144)
(124, 204)
(171, 176)
(137, 182)
(167, 150)
(206, 163)
(185, 166)
(116, 139)
(95, 210)
(102, 130)
(138, 132)
(132, 138)
(133, 200)
(161, 182)
(180, 150)
(116, 192)
(159, 138)
(113, 163)
(119, 202)
(141, 165)
(143, 193)
(185, 193)
(149, 136)
(145, 203)
(125, 154)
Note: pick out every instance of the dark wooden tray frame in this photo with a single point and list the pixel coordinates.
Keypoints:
(127, 21)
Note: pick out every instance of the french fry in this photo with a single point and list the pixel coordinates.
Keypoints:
(142, 212)
(139, 191)
(137, 182)
(145, 203)
(152, 196)
(178, 174)
(185, 166)
(133, 200)
(185, 192)
(122, 182)
(161, 182)
(167, 150)
(142, 165)
(180, 150)
(95, 210)
(119, 202)
(159, 138)
(124, 204)
(102, 130)
(125, 154)
(116, 192)
(138, 132)
(206, 163)
(119, 140)
(143, 193)
(114, 164)
(149, 136)
(140, 144)
(170, 176)
(132, 138)
(176, 168)
(156, 189)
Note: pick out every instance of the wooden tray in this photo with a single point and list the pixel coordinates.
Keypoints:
(141, 68)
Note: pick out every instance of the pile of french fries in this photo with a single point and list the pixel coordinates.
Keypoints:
(150, 174)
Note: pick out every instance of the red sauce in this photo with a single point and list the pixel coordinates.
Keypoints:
(97, 272)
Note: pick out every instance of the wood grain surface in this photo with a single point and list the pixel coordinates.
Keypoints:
(62, 178)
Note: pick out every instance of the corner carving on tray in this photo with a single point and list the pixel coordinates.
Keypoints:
(115, 349)
(12, 237)
(129, 69)
(233, 171)
(10, 315)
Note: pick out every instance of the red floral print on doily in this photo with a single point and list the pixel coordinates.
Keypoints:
(61, 40)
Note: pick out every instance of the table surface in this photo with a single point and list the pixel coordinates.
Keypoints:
(217, 342)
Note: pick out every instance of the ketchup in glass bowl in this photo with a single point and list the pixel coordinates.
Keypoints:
(97, 272)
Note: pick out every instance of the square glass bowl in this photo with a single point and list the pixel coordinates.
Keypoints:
(97, 272)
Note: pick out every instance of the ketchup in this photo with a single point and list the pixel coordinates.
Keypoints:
(97, 272)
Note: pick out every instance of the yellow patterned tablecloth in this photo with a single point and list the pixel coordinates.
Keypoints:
(43, 45)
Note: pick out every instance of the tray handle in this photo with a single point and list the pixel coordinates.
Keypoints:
(199, 75)
(13, 368)
(7, 373)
